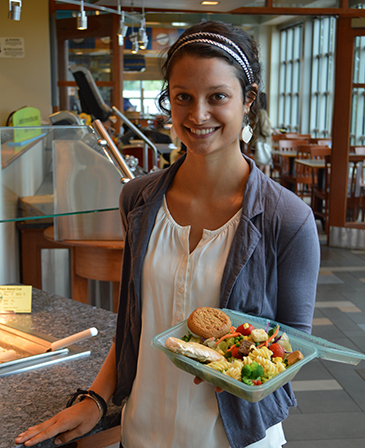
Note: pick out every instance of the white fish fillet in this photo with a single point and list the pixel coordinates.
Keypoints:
(192, 350)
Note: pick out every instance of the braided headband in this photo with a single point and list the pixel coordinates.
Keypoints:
(238, 55)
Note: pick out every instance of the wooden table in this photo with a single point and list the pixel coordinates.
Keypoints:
(90, 259)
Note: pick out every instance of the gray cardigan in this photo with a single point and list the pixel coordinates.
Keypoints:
(271, 271)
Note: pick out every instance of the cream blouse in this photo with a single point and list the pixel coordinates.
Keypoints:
(165, 408)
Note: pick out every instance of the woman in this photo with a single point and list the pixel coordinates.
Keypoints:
(211, 230)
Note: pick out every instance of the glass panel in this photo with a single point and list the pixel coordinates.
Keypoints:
(359, 60)
(289, 83)
(143, 94)
(132, 91)
(322, 77)
(357, 134)
(54, 170)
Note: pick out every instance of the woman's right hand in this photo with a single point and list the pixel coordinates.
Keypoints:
(66, 425)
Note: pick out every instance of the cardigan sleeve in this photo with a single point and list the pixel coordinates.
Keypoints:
(297, 272)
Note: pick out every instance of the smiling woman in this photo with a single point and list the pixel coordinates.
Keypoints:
(209, 231)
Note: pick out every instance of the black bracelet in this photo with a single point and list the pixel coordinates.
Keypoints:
(91, 394)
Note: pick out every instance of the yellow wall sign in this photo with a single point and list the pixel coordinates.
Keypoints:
(27, 116)
(15, 299)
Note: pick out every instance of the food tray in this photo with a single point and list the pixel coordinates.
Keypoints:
(311, 347)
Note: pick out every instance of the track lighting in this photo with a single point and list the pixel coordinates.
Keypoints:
(15, 8)
(123, 28)
(135, 43)
(82, 18)
(142, 35)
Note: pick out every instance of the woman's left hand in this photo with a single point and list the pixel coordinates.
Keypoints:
(198, 381)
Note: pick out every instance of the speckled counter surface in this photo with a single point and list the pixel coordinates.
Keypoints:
(29, 398)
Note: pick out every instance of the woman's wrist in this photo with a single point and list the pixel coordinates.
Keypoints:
(81, 395)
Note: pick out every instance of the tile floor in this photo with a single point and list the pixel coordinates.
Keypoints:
(331, 395)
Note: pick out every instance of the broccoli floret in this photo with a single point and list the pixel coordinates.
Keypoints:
(256, 370)
(251, 372)
(246, 371)
(187, 337)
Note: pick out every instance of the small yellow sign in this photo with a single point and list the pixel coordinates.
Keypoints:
(15, 299)
(28, 117)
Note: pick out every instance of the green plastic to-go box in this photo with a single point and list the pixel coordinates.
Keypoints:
(311, 347)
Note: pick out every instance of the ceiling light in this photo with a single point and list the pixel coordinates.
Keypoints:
(135, 43)
(135, 47)
(15, 8)
(82, 18)
(123, 28)
(142, 35)
(180, 24)
(209, 3)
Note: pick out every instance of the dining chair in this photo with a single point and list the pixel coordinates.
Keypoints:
(285, 164)
(358, 150)
(295, 135)
(320, 151)
(276, 137)
(321, 141)
(355, 207)
(303, 174)
(306, 176)
(320, 192)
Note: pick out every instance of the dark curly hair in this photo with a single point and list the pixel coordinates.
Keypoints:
(206, 50)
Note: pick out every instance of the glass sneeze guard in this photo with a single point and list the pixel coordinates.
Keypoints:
(55, 171)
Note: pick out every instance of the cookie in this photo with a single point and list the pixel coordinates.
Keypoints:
(209, 322)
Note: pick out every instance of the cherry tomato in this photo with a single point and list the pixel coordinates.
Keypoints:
(245, 329)
(256, 382)
(234, 353)
(277, 350)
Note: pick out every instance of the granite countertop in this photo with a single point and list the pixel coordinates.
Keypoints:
(29, 398)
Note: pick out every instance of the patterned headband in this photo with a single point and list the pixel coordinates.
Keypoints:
(201, 37)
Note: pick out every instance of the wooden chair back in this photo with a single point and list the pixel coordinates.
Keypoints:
(294, 135)
(321, 141)
(303, 174)
(320, 193)
(320, 151)
(276, 137)
(287, 145)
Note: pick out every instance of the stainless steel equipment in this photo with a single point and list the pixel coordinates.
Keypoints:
(32, 350)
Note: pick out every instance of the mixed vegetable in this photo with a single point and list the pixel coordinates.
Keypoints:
(251, 355)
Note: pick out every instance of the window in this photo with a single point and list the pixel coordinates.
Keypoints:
(322, 78)
(143, 94)
(290, 77)
(357, 132)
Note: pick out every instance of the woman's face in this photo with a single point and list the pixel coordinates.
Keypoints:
(207, 105)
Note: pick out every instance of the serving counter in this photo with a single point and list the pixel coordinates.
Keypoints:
(31, 397)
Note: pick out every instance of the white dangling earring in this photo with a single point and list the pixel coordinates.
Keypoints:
(247, 133)
(173, 135)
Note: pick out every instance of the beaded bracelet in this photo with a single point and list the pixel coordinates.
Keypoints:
(100, 402)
